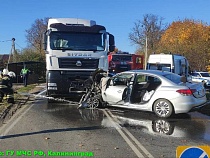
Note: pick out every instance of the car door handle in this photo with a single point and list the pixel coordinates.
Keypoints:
(119, 91)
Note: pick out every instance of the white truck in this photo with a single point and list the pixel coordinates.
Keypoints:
(177, 64)
(74, 49)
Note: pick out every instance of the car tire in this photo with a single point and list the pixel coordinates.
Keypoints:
(163, 108)
(93, 102)
(162, 127)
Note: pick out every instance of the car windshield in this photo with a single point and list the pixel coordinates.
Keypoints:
(156, 66)
(77, 41)
(173, 77)
(204, 74)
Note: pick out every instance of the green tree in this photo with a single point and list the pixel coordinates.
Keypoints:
(29, 54)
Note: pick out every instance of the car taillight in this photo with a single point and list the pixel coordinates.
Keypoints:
(186, 91)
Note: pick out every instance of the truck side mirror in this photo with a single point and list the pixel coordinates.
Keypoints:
(111, 49)
(111, 40)
(44, 41)
(111, 43)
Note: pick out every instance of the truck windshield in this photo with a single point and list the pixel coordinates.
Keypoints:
(77, 41)
(121, 58)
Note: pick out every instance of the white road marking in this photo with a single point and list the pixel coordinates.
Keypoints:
(117, 126)
(133, 138)
(14, 120)
(4, 129)
(121, 131)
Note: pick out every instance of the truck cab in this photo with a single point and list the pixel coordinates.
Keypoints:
(123, 61)
(74, 49)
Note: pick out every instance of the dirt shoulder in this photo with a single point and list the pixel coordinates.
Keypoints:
(22, 96)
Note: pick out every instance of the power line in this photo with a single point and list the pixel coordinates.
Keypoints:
(18, 45)
(6, 41)
(15, 43)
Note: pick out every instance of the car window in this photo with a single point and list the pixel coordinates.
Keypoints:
(204, 74)
(173, 77)
(147, 78)
(140, 78)
(195, 74)
(122, 79)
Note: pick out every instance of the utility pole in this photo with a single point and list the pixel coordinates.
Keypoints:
(145, 56)
(12, 52)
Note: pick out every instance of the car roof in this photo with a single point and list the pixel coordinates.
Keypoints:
(155, 72)
(201, 72)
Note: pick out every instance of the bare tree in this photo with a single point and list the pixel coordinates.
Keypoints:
(34, 34)
(150, 28)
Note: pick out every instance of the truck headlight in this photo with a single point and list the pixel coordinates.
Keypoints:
(52, 86)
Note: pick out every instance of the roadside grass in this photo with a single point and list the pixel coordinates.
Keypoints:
(27, 89)
(23, 90)
(17, 96)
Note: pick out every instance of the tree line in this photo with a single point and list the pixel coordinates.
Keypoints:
(187, 37)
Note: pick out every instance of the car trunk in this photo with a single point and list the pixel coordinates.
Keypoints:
(197, 89)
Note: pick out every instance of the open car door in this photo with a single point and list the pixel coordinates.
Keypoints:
(115, 88)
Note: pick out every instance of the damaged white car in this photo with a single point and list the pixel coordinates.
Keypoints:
(151, 90)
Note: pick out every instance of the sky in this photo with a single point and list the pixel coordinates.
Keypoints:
(118, 16)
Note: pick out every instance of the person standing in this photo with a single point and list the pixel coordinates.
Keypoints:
(6, 87)
(24, 74)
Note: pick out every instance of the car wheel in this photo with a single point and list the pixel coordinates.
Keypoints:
(162, 127)
(163, 108)
(93, 102)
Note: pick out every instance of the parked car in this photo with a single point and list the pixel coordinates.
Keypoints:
(203, 77)
(152, 90)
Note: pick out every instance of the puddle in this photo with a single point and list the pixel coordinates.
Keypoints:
(182, 126)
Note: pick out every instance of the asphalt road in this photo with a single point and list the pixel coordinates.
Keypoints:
(39, 129)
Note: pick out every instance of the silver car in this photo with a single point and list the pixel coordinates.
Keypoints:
(151, 90)
(203, 77)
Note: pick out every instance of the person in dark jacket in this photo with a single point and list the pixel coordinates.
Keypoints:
(6, 87)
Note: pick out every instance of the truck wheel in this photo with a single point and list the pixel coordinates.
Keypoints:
(163, 108)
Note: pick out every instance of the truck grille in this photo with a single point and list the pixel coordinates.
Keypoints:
(78, 63)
